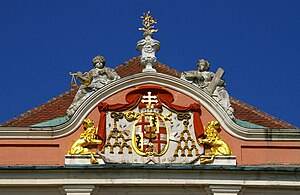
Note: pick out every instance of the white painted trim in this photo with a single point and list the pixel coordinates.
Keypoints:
(113, 177)
(142, 181)
(159, 79)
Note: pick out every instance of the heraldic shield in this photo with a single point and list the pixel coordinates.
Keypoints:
(150, 134)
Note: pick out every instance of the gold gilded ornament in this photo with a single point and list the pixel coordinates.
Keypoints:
(147, 22)
(116, 139)
(186, 144)
(132, 116)
(86, 140)
(211, 138)
(73, 83)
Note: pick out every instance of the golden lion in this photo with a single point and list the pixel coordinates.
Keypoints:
(212, 139)
(86, 139)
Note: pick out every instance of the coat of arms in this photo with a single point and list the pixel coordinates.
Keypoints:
(150, 134)
(149, 128)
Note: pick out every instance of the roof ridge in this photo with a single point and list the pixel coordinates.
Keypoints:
(134, 58)
(261, 113)
(160, 67)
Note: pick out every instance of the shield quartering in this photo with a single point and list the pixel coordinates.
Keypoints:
(150, 133)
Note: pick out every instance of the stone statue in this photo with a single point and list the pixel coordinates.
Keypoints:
(211, 83)
(201, 77)
(92, 81)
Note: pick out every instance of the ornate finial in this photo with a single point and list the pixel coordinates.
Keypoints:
(147, 22)
(148, 46)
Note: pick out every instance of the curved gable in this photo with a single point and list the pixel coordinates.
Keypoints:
(243, 141)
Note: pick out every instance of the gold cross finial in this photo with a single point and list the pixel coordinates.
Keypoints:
(147, 22)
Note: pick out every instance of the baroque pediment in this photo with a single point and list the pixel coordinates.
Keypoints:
(146, 119)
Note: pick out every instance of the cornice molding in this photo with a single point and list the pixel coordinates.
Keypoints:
(112, 175)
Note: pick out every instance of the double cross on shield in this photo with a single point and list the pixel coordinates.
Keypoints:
(150, 132)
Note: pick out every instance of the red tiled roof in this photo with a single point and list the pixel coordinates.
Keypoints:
(52, 109)
(57, 106)
(244, 112)
(133, 66)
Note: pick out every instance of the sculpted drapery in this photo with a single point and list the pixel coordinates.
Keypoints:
(133, 99)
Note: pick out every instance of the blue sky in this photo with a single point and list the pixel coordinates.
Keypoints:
(257, 43)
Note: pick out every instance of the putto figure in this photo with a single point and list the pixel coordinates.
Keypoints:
(91, 81)
(211, 83)
(201, 77)
(98, 76)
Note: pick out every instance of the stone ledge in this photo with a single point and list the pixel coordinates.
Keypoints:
(183, 167)
(221, 160)
(85, 160)
(81, 159)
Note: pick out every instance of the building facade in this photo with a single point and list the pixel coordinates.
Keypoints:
(144, 128)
